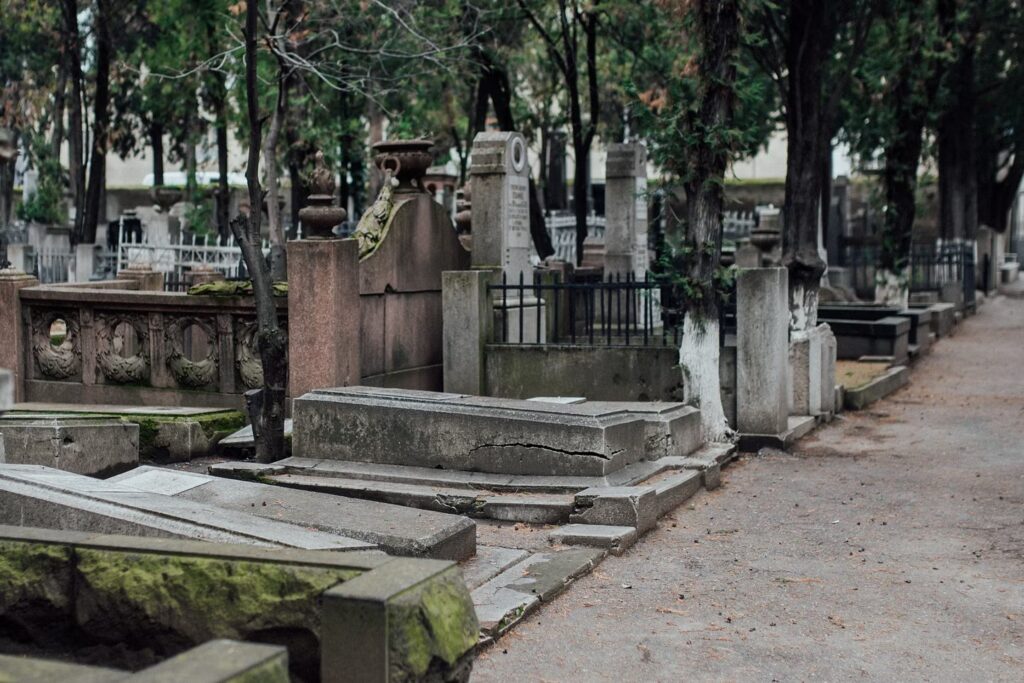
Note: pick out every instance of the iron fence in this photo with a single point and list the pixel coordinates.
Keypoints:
(613, 311)
(930, 268)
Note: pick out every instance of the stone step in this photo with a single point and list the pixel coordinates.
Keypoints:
(614, 539)
(489, 561)
(504, 600)
(535, 508)
(36, 496)
(396, 529)
(485, 434)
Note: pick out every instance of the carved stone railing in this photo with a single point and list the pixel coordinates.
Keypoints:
(114, 346)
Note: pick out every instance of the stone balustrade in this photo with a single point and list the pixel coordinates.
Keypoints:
(129, 347)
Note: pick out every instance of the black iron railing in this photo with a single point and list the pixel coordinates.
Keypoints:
(930, 268)
(618, 310)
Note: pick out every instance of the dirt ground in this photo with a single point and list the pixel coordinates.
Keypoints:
(888, 546)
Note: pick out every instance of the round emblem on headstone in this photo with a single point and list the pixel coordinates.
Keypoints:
(518, 154)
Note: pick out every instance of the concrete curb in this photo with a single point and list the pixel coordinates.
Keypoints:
(878, 388)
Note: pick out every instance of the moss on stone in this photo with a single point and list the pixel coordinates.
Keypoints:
(200, 598)
(433, 621)
(32, 572)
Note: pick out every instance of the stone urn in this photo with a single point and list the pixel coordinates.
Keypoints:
(165, 197)
(407, 159)
(765, 239)
(320, 215)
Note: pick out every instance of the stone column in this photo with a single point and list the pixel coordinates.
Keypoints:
(468, 316)
(501, 204)
(12, 337)
(85, 262)
(625, 236)
(324, 316)
(762, 350)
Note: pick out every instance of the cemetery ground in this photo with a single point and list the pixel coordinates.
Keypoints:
(888, 545)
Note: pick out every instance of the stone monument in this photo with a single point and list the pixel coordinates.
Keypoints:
(625, 237)
(501, 204)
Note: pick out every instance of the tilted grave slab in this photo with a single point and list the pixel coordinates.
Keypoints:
(83, 445)
(43, 497)
(485, 434)
(396, 529)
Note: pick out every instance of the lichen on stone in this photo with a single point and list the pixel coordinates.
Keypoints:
(432, 623)
(34, 573)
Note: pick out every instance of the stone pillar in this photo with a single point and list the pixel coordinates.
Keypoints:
(20, 257)
(762, 350)
(625, 237)
(812, 371)
(324, 316)
(501, 204)
(12, 338)
(85, 262)
(149, 280)
(468, 316)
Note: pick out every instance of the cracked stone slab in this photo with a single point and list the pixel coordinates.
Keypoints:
(633, 506)
(502, 436)
(489, 561)
(510, 595)
(395, 529)
(47, 498)
(614, 539)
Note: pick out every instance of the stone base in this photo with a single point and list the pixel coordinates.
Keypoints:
(799, 426)
(82, 445)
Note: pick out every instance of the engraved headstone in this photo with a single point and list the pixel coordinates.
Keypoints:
(626, 210)
(501, 204)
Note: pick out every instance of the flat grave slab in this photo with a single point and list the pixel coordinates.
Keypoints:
(614, 539)
(32, 495)
(395, 529)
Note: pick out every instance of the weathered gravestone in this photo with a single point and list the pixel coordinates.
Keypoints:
(625, 237)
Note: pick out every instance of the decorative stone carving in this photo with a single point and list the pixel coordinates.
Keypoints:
(118, 368)
(63, 360)
(321, 215)
(247, 356)
(186, 372)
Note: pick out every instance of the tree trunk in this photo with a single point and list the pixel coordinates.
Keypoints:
(59, 97)
(156, 143)
(278, 263)
(223, 188)
(76, 165)
(271, 340)
(958, 174)
(581, 172)
(100, 123)
(718, 28)
(810, 43)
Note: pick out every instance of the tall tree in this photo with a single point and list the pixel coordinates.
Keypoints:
(806, 44)
(574, 59)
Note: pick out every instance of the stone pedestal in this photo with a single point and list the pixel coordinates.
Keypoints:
(812, 367)
(149, 280)
(625, 237)
(748, 256)
(85, 262)
(205, 274)
(324, 321)
(468, 321)
(762, 350)
(12, 342)
(501, 204)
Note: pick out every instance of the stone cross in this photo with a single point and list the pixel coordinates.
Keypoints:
(625, 237)
(501, 204)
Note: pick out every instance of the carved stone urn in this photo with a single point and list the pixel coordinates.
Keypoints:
(166, 197)
(320, 215)
(408, 160)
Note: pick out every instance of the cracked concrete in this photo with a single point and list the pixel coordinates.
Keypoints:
(888, 546)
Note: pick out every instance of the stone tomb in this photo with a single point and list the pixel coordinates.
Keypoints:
(395, 529)
(484, 434)
(37, 496)
(83, 445)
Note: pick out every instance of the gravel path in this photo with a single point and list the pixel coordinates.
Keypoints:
(889, 546)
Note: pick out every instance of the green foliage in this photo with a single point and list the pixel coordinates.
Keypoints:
(200, 218)
(45, 206)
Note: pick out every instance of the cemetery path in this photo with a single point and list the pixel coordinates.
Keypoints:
(888, 546)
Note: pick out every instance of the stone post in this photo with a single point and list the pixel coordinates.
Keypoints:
(324, 316)
(468, 316)
(85, 262)
(12, 338)
(149, 280)
(625, 236)
(812, 371)
(762, 351)
(501, 204)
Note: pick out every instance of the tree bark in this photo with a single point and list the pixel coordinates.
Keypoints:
(270, 338)
(718, 29)
(811, 32)
(76, 165)
(223, 188)
(278, 263)
(156, 144)
(958, 172)
(100, 126)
